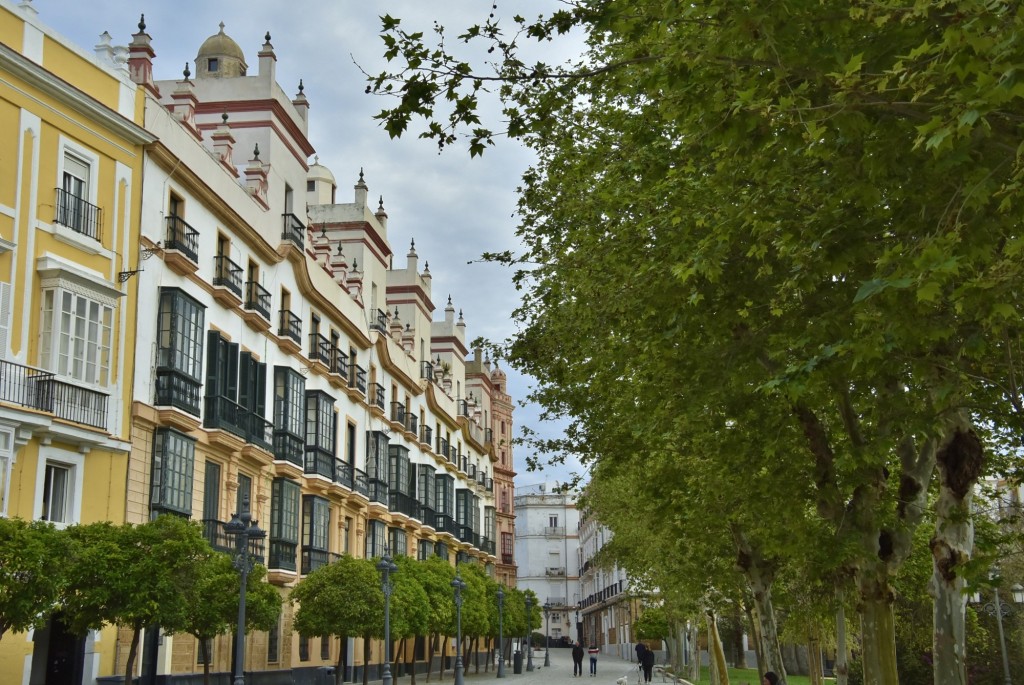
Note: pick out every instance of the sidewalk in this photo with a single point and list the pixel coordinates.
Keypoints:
(609, 669)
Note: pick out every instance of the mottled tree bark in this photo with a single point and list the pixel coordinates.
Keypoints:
(759, 575)
(716, 655)
(841, 671)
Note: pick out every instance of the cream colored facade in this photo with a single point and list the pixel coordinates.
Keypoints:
(71, 151)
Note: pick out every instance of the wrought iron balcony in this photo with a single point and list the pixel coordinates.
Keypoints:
(412, 422)
(361, 483)
(289, 325)
(489, 484)
(228, 415)
(427, 515)
(446, 524)
(357, 377)
(506, 558)
(427, 370)
(293, 230)
(339, 362)
(465, 534)
(379, 320)
(378, 491)
(312, 559)
(442, 446)
(487, 545)
(175, 389)
(403, 504)
(471, 470)
(398, 412)
(227, 274)
(282, 555)
(289, 447)
(319, 462)
(77, 214)
(320, 348)
(344, 474)
(463, 407)
(182, 237)
(554, 571)
(20, 385)
(72, 402)
(488, 436)
(257, 299)
(376, 395)
(426, 434)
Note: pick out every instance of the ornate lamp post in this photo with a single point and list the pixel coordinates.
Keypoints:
(999, 610)
(547, 636)
(529, 647)
(245, 531)
(501, 640)
(459, 586)
(386, 568)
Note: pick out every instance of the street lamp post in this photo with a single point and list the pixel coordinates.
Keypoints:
(245, 531)
(459, 586)
(547, 634)
(386, 568)
(501, 639)
(999, 610)
(529, 647)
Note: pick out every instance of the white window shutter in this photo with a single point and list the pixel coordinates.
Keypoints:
(5, 318)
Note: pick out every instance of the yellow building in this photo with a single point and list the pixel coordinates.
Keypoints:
(70, 170)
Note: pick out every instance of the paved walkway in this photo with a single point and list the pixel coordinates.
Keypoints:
(609, 669)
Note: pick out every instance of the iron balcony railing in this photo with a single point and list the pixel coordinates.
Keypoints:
(465, 534)
(222, 541)
(282, 555)
(227, 274)
(463, 407)
(360, 483)
(182, 237)
(293, 230)
(442, 447)
(398, 412)
(489, 484)
(446, 524)
(73, 402)
(487, 545)
(288, 447)
(289, 325)
(77, 214)
(427, 370)
(488, 435)
(412, 422)
(319, 463)
(228, 415)
(257, 299)
(470, 469)
(379, 320)
(320, 348)
(427, 515)
(402, 503)
(175, 389)
(21, 385)
(426, 434)
(343, 474)
(357, 377)
(312, 559)
(378, 490)
(506, 558)
(339, 362)
(377, 395)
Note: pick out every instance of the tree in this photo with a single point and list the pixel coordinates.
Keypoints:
(211, 602)
(33, 558)
(803, 208)
(341, 599)
(437, 583)
(410, 605)
(132, 576)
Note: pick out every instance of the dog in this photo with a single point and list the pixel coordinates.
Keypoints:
(622, 681)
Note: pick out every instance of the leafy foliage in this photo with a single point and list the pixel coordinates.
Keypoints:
(32, 562)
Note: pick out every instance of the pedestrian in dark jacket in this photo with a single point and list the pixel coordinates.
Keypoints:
(640, 649)
(647, 664)
(577, 660)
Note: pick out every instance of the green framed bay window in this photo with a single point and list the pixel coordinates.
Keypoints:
(441, 550)
(400, 486)
(173, 466)
(316, 526)
(425, 487)
(284, 523)
(377, 468)
(289, 415)
(321, 431)
(376, 538)
(179, 350)
(397, 542)
(425, 549)
(444, 494)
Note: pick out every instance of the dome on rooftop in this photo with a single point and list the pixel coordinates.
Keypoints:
(220, 57)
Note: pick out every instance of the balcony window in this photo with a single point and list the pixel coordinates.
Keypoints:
(284, 523)
(290, 326)
(377, 465)
(173, 465)
(182, 237)
(376, 395)
(441, 550)
(257, 299)
(444, 494)
(289, 415)
(316, 524)
(236, 392)
(425, 549)
(321, 428)
(76, 189)
(490, 522)
(227, 274)
(426, 487)
(398, 472)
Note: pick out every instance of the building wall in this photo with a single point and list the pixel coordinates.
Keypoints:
(66, 122)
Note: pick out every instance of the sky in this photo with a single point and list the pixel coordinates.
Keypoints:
(454, 207)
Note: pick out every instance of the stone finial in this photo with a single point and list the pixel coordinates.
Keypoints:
(266, 38)
(224, 118)
(186, 72)
(255, 151)
(142, 23)
(301, 87)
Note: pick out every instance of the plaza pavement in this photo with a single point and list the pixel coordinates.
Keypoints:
(609, 669)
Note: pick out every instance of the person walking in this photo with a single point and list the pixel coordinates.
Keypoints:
(593, 651)
(577, 660)
(640, 647)
(647, 664)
